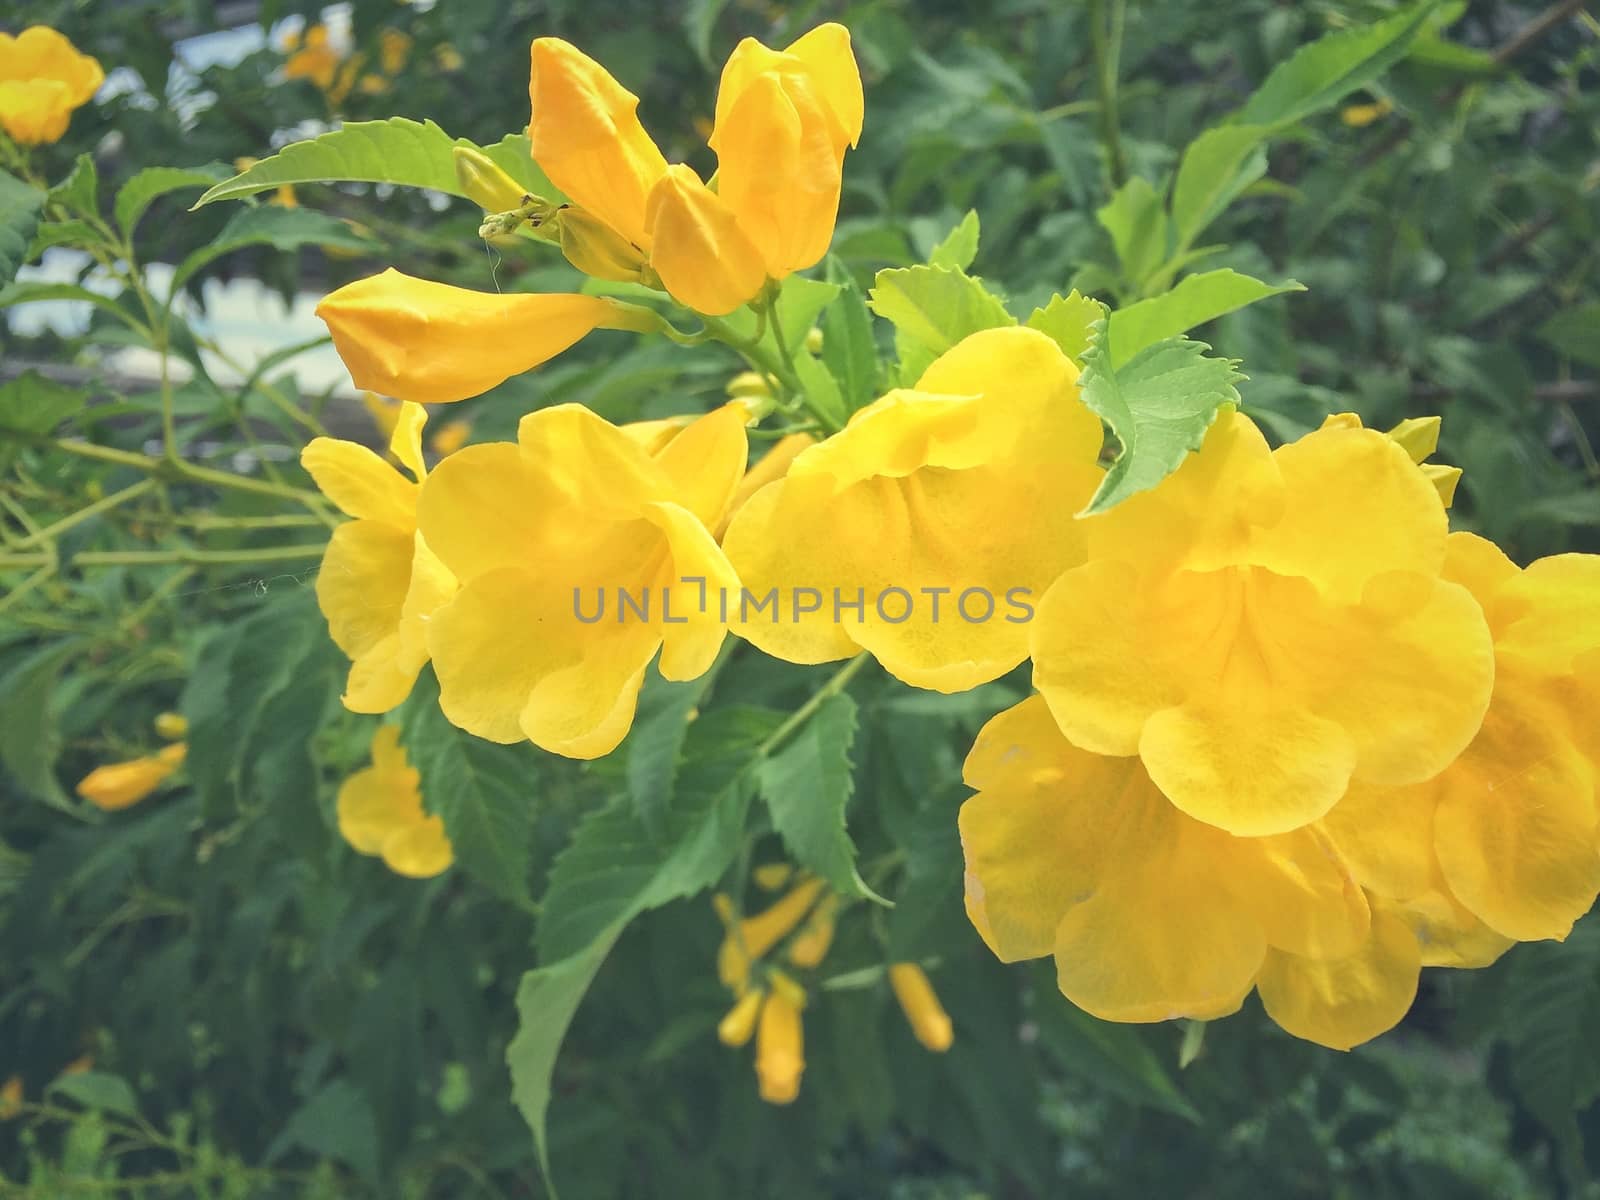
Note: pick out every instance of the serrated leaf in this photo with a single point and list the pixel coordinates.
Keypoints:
(807, 787)
(98, 1090)
(61, 233)
(20, 206)
(931, 309)
(33, 404)
(1137, 223)
(960, 245)
(1553, 1026)
(848, 347)
(276, 226)
(655, 745)
(1069, 322)
(78, 190)
(483, 792)
(397, 151)
(1196, 300)
(136, 196)
(1325, 71)
(1216, 167)
(30, 739)
(1159, 407)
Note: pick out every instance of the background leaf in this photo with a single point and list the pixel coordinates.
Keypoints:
(20, 206)
(931, 309)
(1196, 300)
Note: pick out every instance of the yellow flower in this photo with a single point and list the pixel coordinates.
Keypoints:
(121, 785)
(1265, 627)
(433, 343)
(313, 57)
(748, 940)
(926, 1016)
(739, 1025)
(1149, 913)
(780, 1042)
(575, 515)
(450, 437)
(380, 813)
(43, 79)
(10, 1097)
(379, 581)
(783, 122)
(171, 726)
(926, 529)
(394, 49)
(1358, 116)
(448, 58)
(810, 946)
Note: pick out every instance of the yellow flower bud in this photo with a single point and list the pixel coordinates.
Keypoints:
(924, 1013)
(814, 340)
(780, 1046)
(43, 79)
(754, 936)
(448, 58)
(432, 343)
(769, 877)
(171, 726)
(587, 137)
(752, 384)
(485, 182)
(121, 785)
(811, 944)
(450, 437)
(10, 1097)
(1358, 116)
(596, 249)
(704, 257)
(736, 1028)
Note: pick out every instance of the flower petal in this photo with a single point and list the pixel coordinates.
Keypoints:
(701, 254)
(706, 461)
(360, 483)
(419, 850)
(362, 585)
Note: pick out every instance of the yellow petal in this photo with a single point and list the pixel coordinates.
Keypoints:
(1301, 890)
(703, 257)
(360, 482)
(827, 55)
(587, 137)
(693, 582)
(772, 466)
(705, 463)
(366, 572)
(780, 1049)
(121, 785)
(926, 1016)
(371, 804)
(405, 441)
(43, 78)
(739, 1026)
(1449, 935)
(1341, 1003)
(433, 343)
(419, 851)
(1386, 835)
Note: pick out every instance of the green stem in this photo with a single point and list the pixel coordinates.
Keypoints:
(1105, 34)
(145, 558)
(86, 513)
(836, 684)
(179, 469)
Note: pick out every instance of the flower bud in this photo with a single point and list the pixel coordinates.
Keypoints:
(736, 1028)
(924, 1013)
(780, 1043)
(754, 936)
(596, 249)
(810, 946)
(121, 785)
(171, 726)
(485, 182)
(702, 255)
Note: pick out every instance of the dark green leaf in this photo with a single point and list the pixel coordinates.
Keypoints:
(99, 1091)
(848, 347)
(276, 226)
(20, 206)
(78, 190)
(33, 404)
(29, 737)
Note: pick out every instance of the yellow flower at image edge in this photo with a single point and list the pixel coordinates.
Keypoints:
(379, 580)
(780, 1042)
(121, 785)
(940, 509)
(1269, 626)
(380, 813)
(930, 1024)
(43, 80)
(432, 343)
(545, 536)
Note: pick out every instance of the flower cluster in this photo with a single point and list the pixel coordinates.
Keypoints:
(1290, 734)
(43, 80)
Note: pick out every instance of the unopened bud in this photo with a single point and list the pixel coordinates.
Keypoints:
(486, 183)
(814, 340)
(755, 384)
(598, 250)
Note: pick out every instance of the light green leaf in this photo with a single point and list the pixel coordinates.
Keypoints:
(1198, 299)
(483, 792)
(807, 786)
(932, 308)
(136, 196)
(1069, 322)
(273, 225)
(20, 206)
(98, 1090)
(33, 404)
(1575, 332)
(1216, 167)
(1137, 223)
(960, 245)
(1159, 407)
(399, 151)
(848, 347)
(822, 390)
(1325, 71)
(77, 192)
(27, 291)
(72, 232)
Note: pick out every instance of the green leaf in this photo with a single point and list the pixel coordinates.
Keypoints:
(62, 233)
(20, 206)
(1137, 223)
(136, 196)
(1322, 73)
(276, 226)
(960, 245)
(848, 347)
(78, 190)
(1069, 321)
(33, 404)
(30, 739)
(1198, 299)
(1575, 332)
(398, 151)
(821, 389)
(931, 309)
(807, 787)
(483, 792)
(1159, 406)
(655, 744)
(337, 1122)
(98, 1090)
(26, 291)
(698, 24)
(1553, 1015)
(1216, 167)
(547, 999)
